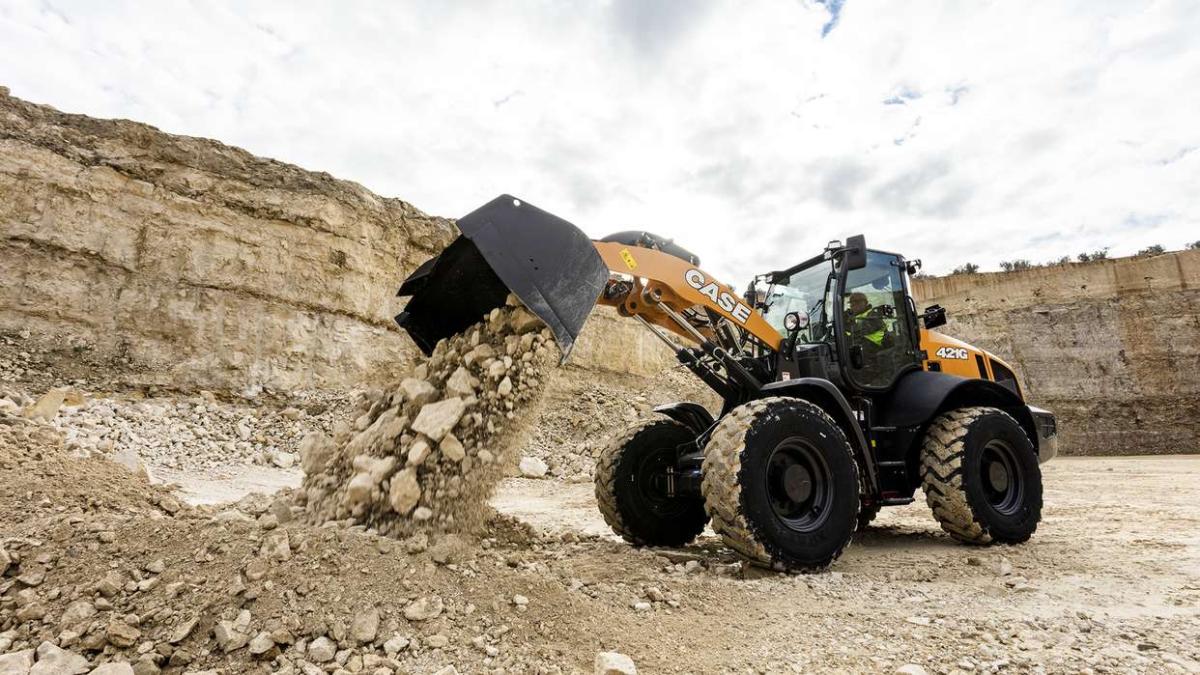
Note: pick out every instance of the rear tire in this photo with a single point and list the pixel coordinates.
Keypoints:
(981, 477)
(630, 491)
(866, 515)
(781, 484)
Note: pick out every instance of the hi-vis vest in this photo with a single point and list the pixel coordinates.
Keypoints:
(876, 337)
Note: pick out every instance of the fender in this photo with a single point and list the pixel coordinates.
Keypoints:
(920, 396)
(823, 393)
(691, 415)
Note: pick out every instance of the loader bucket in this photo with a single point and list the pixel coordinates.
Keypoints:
(507, 245)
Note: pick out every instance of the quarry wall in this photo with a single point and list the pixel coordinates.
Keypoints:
(186, 262)
(1112, 347)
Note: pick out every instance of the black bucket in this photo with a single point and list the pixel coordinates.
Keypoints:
(507, 245)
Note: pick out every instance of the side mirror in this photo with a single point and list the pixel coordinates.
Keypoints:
(856, 252)
(933, 317)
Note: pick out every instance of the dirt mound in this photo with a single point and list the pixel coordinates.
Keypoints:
(39, 478)
(426, 454)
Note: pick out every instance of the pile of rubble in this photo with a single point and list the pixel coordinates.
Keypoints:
(102, 572)
(198, 433)
(584, 408)
(427, 453)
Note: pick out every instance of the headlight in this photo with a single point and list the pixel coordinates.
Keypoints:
(792, 321)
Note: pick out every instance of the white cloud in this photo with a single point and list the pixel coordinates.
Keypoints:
(1012, 130)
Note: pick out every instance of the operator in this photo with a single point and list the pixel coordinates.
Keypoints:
(864, 320)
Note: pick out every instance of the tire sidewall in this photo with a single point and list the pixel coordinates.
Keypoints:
(780, 421)
(639, 518)
(1003, 528)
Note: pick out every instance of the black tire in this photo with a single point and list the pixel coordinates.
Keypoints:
(866, 515)
(799, 524)
(631, 497)
(981, 477)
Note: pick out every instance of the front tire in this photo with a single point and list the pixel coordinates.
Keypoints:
(981, 477)
(631, 490)
(781, 484)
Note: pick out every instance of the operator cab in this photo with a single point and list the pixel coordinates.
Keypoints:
(846, 316)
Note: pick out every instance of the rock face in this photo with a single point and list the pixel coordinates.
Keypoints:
(192, 262)
(383, 472)
(187, 262)
(1112, 347)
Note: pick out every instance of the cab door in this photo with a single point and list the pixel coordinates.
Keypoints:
(877, 341)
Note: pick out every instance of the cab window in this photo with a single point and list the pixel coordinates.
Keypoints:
(875, 320)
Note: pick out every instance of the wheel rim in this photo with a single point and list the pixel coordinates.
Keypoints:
(652, 483)
(1003, 484)
(799, 485)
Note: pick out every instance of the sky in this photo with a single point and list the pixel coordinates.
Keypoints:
(751, 133)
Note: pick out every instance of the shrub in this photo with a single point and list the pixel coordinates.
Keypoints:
(1015, 265)
(1101, 254)
(1156, 249)
(966, 268)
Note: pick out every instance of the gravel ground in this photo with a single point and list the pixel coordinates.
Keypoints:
(100, 565)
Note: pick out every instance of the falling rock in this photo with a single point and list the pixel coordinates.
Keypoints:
(436, 419)
(452, 448)
(613, 663)
(46, 408)
(423, 609)
(376, 468)
(459, 384)
(53, 660)
(359, 489)
(522, 321)
(496, 369)
(120, 668)
(417, 391)
(422, 513)
(322, 650)
(910, 669)
(365, 626)
(486, 457)
(261, 644)
(419, 451)
(16, 663)
(504, 389)
(5, 560)
(404, 492)
(315, 450)
(532, 467)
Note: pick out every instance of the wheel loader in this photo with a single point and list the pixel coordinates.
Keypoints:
(838, 396)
